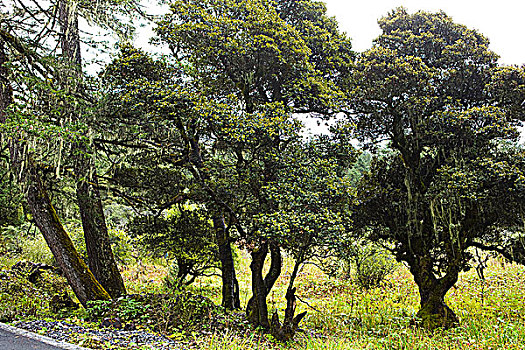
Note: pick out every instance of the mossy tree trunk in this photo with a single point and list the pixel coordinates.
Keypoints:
(98, 246)
(80, 278)
(434, 312)
(257, 307)
(230, 285)
(101, 259)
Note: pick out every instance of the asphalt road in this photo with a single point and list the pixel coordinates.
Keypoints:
(11, 341)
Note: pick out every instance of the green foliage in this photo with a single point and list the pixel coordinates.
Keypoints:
(367, 262)
(21, 298)
(312, 198)
(127, 309)
(261, 51)
(361, 166)
(172, 313)
(184, 234)
(428, 86)
(117, 215)
(27, 243)
(35, 249)
(372, 266)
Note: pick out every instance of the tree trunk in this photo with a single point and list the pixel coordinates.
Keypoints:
(80, 278)
(257, 308)
(230, 286)
(101, 259)
(286, 331)
(433, 312)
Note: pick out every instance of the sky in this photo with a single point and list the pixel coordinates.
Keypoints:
(501, 21)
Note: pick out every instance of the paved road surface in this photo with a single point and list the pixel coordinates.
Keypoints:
(12, 338)
(10, 341)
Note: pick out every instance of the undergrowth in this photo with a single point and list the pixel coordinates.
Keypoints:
(341, 313)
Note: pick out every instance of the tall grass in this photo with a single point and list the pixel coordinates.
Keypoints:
(341, 315)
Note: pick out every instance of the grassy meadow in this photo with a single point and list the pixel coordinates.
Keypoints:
(341, 314)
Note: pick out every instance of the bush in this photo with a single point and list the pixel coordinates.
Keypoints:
(165, 313)
(372, 266)
(183, 235)
(21, 298)
(369, 263)
(35, 249)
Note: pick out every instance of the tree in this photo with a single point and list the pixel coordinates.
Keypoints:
(98, 246)
(312, 197)
(58, 103)
(427, 86)
(263, 61)
(80, 278)
(183, 234)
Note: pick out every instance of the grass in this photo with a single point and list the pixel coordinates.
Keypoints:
(341, 315)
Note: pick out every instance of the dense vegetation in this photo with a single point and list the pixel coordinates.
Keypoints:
(197, 163)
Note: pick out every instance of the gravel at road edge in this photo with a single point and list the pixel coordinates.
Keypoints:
(67, 332)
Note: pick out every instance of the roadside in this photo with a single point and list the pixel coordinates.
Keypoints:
(12, 338)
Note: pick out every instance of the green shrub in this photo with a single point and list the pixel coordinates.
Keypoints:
(369, 263)
(22, 298)
(35, 249)
(372, 266)
(122, 245)
(184, 236)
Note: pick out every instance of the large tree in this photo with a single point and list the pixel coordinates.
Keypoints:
(55, 105)
(98, 246)
(431, 88)
(13, 118)
(265, 60)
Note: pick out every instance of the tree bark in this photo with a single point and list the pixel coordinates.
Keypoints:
(78, 275)
(434, 312)
(80, 278)
(101, 259)
(257, 307)
(230, 286)
(285, 332)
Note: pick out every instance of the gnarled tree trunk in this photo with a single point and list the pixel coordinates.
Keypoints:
(434, 312)
(257, 308)
(286, 331)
